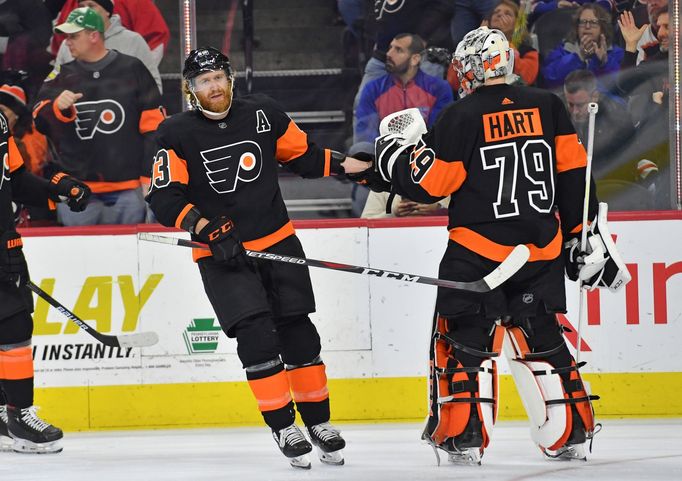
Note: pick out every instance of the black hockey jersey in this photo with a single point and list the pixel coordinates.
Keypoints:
(18, 184)
(509, 157)
(100, 139)
(230, 166)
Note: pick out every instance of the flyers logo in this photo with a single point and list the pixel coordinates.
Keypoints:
(229, 164)
(105, 116)
(4, 168)
(388, 6)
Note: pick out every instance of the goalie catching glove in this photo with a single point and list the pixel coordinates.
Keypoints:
(399, 133)
(601, 266)
(221, 236)
(70, 190)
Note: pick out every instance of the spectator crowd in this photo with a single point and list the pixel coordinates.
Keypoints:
(62, 78)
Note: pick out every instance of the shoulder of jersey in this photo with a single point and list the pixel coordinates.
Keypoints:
(177, 122)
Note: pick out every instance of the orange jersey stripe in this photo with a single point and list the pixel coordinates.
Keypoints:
(169, 167)
(257, 244)
(182, 215)
(309, 384)
(443, 178)
(498, 252)
(292, 144)
(100, 187)
(271, 392)
(39, 106)
(15, 159)
(570, 153)
(327, 162)
(16, 364)
(60, 116)
(150, 120)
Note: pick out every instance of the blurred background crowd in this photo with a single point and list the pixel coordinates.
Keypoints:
(339, 66)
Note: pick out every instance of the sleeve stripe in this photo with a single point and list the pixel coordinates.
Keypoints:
(39, 106)
(14, 158)
(570, 153)
(292, 144)
(150, 120)
(327, 162)
(443, 178)
(60, 116)
(181, 216)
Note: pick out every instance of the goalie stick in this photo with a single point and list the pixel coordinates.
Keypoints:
(140, 339)
(514, 261)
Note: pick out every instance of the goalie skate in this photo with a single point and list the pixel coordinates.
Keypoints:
(567, 453)
(294, 446)
(459, 456)
(329, 443)
(30, 433)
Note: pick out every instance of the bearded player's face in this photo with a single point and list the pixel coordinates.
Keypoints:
(213, 90)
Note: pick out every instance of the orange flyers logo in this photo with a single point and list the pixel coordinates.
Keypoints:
(512, 123)
(104, 116)
(227, 165)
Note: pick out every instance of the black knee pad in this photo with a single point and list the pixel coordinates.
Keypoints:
(16, 329)
(257, 340)
(299, 340)
(471, 331)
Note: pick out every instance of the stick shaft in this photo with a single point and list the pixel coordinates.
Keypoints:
(512, 264)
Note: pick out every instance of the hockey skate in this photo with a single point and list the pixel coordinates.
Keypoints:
(30, 433)
(464, 449)
(5, 440)
(294, 446)
(329, 443)
(576, 446)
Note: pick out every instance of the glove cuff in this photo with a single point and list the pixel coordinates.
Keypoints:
(335, 161)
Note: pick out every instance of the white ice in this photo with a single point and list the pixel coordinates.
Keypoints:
(624, 450)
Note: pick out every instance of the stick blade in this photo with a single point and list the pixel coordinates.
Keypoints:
(139, 339)
(510, 266)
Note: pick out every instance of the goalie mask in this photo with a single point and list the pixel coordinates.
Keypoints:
(196, 86)
(483, 54)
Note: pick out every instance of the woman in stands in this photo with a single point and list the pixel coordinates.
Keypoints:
(588, 46)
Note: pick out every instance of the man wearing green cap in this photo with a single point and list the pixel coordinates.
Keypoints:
(101, 110)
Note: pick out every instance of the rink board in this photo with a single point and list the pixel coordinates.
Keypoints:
(374, 331)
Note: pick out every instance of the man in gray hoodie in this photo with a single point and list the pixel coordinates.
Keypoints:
(116, 37)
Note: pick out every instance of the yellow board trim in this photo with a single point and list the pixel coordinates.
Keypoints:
(156, 406)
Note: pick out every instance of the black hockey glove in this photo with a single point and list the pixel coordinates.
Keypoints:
(70, 190)
(574, 258)
(369, 177)
(221, 237)
(12, 262)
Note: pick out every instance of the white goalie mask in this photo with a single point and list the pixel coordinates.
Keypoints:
(482, 54)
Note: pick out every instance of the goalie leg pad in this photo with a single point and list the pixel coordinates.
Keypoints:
(549, 383)
(464, 386)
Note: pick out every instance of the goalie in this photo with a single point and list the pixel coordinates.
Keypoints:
(511, 163)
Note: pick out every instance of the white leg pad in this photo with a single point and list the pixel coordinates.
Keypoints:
(488, 387)
(547, 423)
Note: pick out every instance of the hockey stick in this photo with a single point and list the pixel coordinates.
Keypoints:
(592, 110)
(140, 339)
(514, 261)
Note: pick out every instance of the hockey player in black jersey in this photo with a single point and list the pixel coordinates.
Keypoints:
(215, 175)
(511, 163)
(20, 427)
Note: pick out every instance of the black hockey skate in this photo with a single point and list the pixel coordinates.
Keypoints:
(30, 433)
(464, 449)
(294, 446)
(576, 446)
(329, 443)
(5, 440)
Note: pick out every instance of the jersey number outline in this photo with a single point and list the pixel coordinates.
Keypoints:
(161, 169)
(537, 162)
